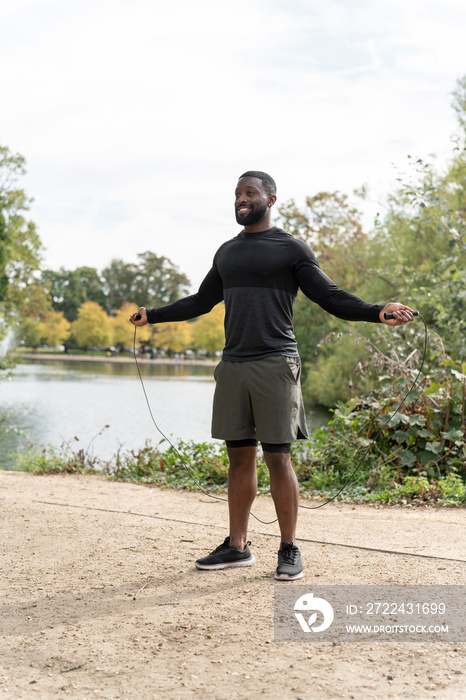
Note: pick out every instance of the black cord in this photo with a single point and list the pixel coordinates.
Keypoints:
(356, 469)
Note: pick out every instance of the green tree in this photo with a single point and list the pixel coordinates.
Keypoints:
(21, 248)
(12, 166)
(21, 295)
(422, 243)
(332, 226)
(153, 281)
(120, 283)
(71, 288)
(92, 327)
(459, 106)
(31, 331)
(416, 253)
(3, 257)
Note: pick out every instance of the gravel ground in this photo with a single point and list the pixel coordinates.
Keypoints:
(100, 597)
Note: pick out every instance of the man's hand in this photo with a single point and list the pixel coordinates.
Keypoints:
(401, 314)
(142, 321)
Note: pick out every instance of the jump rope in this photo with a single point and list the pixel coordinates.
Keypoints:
(353, 473)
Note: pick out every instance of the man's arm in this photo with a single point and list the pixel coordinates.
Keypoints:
(210, 293)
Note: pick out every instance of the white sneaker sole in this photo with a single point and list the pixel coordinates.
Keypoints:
(287, 577)
(226, 565)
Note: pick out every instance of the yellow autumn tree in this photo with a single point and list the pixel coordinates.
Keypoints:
(174, 337)
(208, 330)
(123, 330)
(92, 327)
(56, 328)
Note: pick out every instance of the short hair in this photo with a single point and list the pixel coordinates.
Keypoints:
(268, 182)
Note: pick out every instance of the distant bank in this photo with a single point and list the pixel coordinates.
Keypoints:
(67, 357)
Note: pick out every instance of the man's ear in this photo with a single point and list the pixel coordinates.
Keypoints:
(272, 199)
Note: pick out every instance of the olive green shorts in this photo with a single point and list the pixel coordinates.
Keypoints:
(260, 400)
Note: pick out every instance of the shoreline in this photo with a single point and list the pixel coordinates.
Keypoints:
(46, 357)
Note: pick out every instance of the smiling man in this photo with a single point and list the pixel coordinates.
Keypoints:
(258, 393)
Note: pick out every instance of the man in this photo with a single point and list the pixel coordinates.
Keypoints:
(258, 395)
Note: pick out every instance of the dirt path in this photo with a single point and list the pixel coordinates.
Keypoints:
(100, 598)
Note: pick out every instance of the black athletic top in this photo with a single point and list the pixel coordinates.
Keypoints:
(258, 276)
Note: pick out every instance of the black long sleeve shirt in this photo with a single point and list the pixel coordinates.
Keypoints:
(258, 276)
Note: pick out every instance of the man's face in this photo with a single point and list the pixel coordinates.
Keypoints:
(251, 201)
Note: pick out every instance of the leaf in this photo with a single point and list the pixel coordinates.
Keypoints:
(407, 458)
(417, 420)
(351, 405)
(423, 433)
(458, 375)
(453, 435)
(397, 419)
(435, 447)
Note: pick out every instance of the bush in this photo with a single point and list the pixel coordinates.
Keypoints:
(57, 460)
(418, 452)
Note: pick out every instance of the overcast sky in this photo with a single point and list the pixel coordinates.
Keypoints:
(136, 117)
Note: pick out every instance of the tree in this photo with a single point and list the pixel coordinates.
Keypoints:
(332, 226)
(416, 253)
(159, 281)
(174, 337)
(459, 105)
(21, 295)
(31, 331)
(11, 167)
(21, 249)
(71, 288)
(208, 331)
(3, 257)
(123, 331)
(57, 329)
(92, 327)
(340, 369)
(426, 226)
(120, 283)
(327, 220)
(153, 281)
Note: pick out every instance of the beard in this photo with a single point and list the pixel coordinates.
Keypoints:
(255, 214)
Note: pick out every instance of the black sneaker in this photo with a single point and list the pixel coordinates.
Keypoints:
(226, 556)
(290, 565)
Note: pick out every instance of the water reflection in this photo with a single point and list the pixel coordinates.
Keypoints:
(78, 370)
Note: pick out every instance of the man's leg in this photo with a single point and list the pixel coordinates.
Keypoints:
(242, 490)
(285, 492)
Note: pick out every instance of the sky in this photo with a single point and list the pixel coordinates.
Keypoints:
(136, 117)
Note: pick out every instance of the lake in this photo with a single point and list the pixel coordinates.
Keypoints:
(57, 401)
